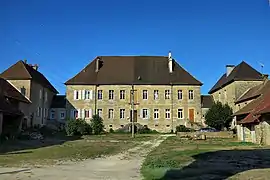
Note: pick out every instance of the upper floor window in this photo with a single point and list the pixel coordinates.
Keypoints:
(23, 91)
(180, 113)
(122, 94)
(110, 114)
(167, 94)
(155, 94)
(99, 94)
(111, 94)
(87, 94)
(38, 111)
(145, 113)
(40, 94)
(156, 113)
(99, 111)
(145, 94)
(122, 113)
(190, 94)
(76, 95)
(180, 94)
(167, 113)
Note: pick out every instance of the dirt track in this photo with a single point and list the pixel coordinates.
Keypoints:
(123, 166)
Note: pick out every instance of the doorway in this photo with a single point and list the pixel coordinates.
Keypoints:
(191, 115)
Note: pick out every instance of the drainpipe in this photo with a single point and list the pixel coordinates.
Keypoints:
(172, 106)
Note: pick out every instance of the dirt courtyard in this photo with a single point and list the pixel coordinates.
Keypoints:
(122, 166)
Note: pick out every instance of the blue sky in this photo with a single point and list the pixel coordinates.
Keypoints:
(203, 35)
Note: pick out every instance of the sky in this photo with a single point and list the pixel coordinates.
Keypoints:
(62, 37)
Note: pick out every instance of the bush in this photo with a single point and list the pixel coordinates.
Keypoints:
(111, 130)
(146, 130)
(78, 127)
(182, 128)
(97, 124)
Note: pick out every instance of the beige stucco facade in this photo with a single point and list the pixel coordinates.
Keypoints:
(150, 104)
(40, 97)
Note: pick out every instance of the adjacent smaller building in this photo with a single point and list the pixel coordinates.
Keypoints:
(207, 102)
(13, 105)
(58, 109)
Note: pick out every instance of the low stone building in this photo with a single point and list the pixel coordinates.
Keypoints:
(207, 102)
(253, 118)
(35, 87)
(165, 94)
(58, 109)
(13, 105)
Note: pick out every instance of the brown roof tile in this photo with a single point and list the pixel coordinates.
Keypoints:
(133, 70)
(206, 101)
(21, 71)
(242, 72)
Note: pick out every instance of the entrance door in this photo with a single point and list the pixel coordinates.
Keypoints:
(191, 115)
(135, 115)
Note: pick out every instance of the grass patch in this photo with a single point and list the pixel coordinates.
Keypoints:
(87, 147)
(175, 153)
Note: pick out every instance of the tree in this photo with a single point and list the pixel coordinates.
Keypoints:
(219, 116)
(75, 127)
(97, 124)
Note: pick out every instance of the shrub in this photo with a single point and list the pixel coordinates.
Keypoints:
(97, 124)
(182, 128)
(146, 130)
(77, 127)
(111, 130)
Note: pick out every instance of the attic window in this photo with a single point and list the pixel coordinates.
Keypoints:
(23, 90)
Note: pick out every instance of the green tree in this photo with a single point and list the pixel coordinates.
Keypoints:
(219, 116)
(77, 127)
(97, 124)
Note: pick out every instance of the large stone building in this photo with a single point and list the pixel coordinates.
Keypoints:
(34, 86)
(234, 83)
(165, 94)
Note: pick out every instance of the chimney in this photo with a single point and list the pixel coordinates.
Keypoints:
(35, 67)
(170, 62)
(25, 61)
(97, 65)
(265, 78)
(229, 69)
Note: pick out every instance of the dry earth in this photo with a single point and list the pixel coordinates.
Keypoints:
(123, 166)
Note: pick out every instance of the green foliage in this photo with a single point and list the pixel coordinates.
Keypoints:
(97, 124)
(111, 130)
(78, 127)
(182, 128)
(146, 130)
(219, 116)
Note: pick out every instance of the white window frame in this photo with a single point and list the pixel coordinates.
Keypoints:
(76, 94)
(155, 94)
(111, 95)
(61, 115)
(156, 113)
(145, 94)
(180, 112)
(87, 94)
(99, 112)
(110, 114)
(122, 113)
(145, 113)
(122, 94)
(190, 94)
(99, 94)
(167, 114)
(52, 114)
(38, 111)
(167, 94)
(40, 94)
(85, 112)
(180, 94)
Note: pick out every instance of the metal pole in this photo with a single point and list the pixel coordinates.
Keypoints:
(132, 111)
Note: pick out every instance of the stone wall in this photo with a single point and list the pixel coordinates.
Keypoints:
(161, 124)
(221, 134)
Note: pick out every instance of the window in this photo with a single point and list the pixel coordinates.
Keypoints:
(38, 111)
(23, 91)
(122, 94)
(86, 113)
(110, 114)
(167, 94)
(76, 95)
(145, 113)
(190, 94)
(122, 113)
(225, 94)
(167, 113)
(180, 94)
(40, 94)
(155, 94)
(87, 94)
(46, 97)
(111, 93)
(75, 114)
(99, 94)
(62, 115)
(156, 114)
(180, 114)
(145, 94)
(52, 114)
(99, 112)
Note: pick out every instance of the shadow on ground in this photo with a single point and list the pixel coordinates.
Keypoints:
(221, 164)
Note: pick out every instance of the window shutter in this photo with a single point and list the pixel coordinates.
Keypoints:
(74, 94)
(141, 114)
(79, 113)
(91, 94)
(90, 113)
(148, 113)
(83, 94)
(80, 94)
(83, 114)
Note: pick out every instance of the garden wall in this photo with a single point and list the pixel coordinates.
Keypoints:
(222, 134)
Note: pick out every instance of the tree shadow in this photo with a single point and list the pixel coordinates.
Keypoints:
(221, 164)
